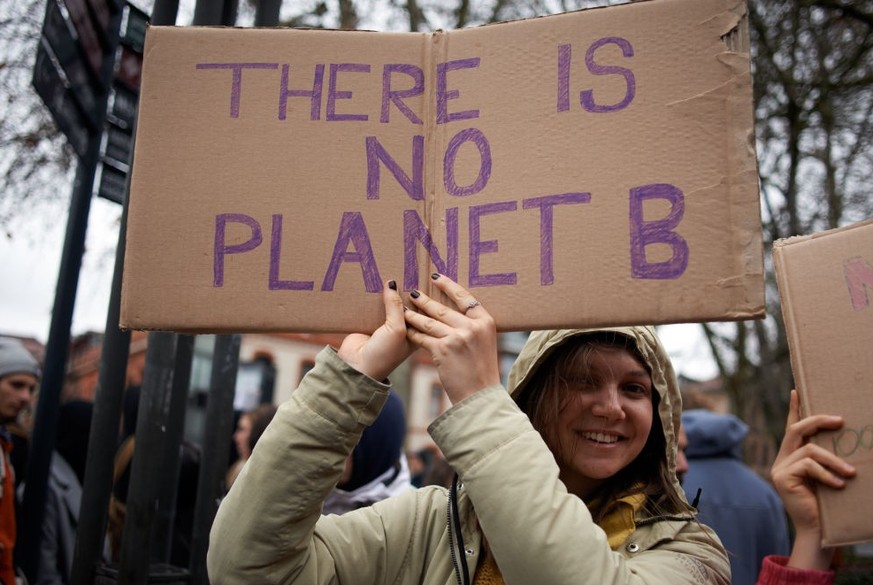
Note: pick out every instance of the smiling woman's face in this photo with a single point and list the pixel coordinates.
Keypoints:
(604, 418)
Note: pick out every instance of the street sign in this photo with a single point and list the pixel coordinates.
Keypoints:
(122, 107)
(133, 28)
(55, 90)
(118, 145)
(118, 132)
(112, 182)
(60, 34)
(68, 76)
(86, 30)
(102, 12)
(74, 45)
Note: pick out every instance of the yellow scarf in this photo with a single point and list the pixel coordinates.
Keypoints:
(618, 523)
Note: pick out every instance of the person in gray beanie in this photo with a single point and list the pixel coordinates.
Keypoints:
(19, 374)
(16, 363)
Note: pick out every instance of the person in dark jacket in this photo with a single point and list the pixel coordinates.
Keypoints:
(64, 494)
(743, 509)
(377, 468)
(801, 470)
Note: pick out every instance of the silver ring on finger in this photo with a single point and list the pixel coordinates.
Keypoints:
(471, 305)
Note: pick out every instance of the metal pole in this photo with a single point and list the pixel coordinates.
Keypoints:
(213, 463)
(165, 12)
(208, 12)
(147, 468)
(108, 399)
(57, 346)
(57, 349)
(267, 13)
(168, 487)
(229, 12)
(102, 442)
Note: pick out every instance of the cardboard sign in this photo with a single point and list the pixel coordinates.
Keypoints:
(594, 167)
(826, 284)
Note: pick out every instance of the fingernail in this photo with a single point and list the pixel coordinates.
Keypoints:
(435, 275)
(414, 294)
(392, 284)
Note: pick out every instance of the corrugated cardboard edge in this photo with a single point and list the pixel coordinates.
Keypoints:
(743, 164)
(797, 364)
(742, 175)
(791, 240)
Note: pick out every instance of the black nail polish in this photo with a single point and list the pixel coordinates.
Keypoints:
(392, 284)
(414, 294)
(435, 275)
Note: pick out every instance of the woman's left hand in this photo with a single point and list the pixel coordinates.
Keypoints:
(462, 341)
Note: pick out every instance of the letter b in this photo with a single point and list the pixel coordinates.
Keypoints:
(660, 231)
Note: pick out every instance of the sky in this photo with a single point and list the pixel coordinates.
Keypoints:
(30, 263)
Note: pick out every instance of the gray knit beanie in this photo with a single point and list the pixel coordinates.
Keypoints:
(15, 359)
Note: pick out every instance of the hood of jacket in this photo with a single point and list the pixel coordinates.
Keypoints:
(711, 434)
(541, 344)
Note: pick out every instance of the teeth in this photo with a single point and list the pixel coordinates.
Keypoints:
(600, 437)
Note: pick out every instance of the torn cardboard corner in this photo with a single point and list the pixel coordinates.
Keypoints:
(826, 284)
(589, 168)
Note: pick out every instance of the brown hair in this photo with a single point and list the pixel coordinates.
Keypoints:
(260, 418)
(547, 394)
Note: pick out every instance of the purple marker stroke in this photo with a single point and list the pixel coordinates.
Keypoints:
(236, 84)
(221, 248)
(660, 231)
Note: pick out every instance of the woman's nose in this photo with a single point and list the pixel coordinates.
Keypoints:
(608, 404)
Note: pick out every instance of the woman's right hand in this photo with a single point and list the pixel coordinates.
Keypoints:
(798, 467)
(377, 355)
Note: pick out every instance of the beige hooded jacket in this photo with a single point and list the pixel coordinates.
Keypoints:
(269, 528)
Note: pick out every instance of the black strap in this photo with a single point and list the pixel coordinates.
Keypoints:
(696, 498)
(459, 537)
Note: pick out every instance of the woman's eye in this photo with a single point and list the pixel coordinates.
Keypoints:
(637, 389)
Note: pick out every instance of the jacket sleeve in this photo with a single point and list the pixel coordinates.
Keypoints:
(775, 572)
(264, 528)
(537, 531)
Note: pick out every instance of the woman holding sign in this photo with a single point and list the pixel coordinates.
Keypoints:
(802, 467)
(567, 478)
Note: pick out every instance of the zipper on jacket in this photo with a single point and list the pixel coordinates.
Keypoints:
(458, 560)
